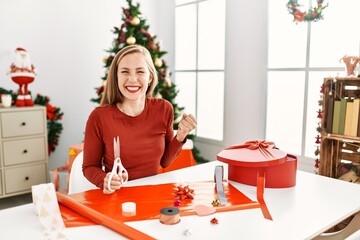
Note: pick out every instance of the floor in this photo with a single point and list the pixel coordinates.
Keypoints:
(15, 201)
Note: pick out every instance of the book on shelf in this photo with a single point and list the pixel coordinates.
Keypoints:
(355, 118)
(329, 114)
(358, 124)
(342, 114)
(336, 117)
(348, 117)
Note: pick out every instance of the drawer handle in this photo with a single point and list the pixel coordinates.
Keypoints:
(23, 124)
(25, 151)
(27, 178)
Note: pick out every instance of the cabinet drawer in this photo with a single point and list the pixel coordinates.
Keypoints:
(24, 151)
(15, 124)
(22, 178)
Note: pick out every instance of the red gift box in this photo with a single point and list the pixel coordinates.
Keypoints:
(247, 160)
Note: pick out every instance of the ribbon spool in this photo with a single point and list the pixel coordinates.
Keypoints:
(169, 215)
(128, 209)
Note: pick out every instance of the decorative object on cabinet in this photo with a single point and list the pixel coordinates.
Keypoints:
(22, 72)
(340, 125)
(350, 63)
(23, 148)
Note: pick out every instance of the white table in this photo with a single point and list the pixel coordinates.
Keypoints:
(314, 205)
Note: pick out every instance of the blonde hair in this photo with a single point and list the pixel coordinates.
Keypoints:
(112, 94)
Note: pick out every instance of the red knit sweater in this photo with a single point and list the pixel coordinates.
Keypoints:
(146, 141)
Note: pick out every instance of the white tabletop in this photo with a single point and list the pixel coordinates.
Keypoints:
(315, 204)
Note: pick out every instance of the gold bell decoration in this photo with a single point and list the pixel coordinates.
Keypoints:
(131, 40)
(158, 62)
(135, 21)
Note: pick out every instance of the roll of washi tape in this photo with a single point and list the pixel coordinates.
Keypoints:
(169, 215)
(128, 209)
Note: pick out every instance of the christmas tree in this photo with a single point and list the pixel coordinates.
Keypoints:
(134, 30)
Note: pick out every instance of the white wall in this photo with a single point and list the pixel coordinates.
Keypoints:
(66, 41)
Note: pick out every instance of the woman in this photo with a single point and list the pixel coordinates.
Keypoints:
(144, 124)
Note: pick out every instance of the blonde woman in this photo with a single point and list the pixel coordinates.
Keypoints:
(144, 124)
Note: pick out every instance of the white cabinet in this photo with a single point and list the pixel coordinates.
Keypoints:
(23, 149)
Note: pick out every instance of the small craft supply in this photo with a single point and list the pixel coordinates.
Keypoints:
(219, 178)
(177, 203)
(184, 192)
(214, 221)
(202, 210)
(187, 232)
(169, 215)
(118, 168)
(128, 209)
(215, 203)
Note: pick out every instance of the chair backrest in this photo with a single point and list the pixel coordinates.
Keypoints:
(77, 180)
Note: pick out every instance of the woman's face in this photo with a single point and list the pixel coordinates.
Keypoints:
(133, 76)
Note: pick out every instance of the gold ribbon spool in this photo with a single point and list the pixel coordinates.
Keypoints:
(169, 215)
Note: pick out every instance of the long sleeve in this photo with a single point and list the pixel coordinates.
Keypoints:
(93, 151)
(172, 145)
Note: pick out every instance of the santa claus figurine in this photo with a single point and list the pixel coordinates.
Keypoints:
(23, 73)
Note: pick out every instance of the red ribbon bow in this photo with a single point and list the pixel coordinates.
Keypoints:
(184, 192)
(262, 145)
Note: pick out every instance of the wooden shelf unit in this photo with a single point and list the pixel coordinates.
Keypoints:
(336, 147)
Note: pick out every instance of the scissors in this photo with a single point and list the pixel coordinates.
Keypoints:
(118, 168)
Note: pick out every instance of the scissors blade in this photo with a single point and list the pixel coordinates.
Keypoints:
(116, 148)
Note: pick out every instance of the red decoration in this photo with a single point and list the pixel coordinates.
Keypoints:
(184, 192)
(317, 163)
(319, 113)
(318, 140)
(262, 145)
(312, 14)
(215, 203)
(214, 221)
(177, 203)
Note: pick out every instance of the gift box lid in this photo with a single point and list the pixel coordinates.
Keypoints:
(256, 153)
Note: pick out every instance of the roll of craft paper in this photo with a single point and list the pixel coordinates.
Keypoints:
(99, 218)
(169, 215)
(47, 208)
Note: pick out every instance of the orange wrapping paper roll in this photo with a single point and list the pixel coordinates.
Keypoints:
(99, 218)
(150, 199)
